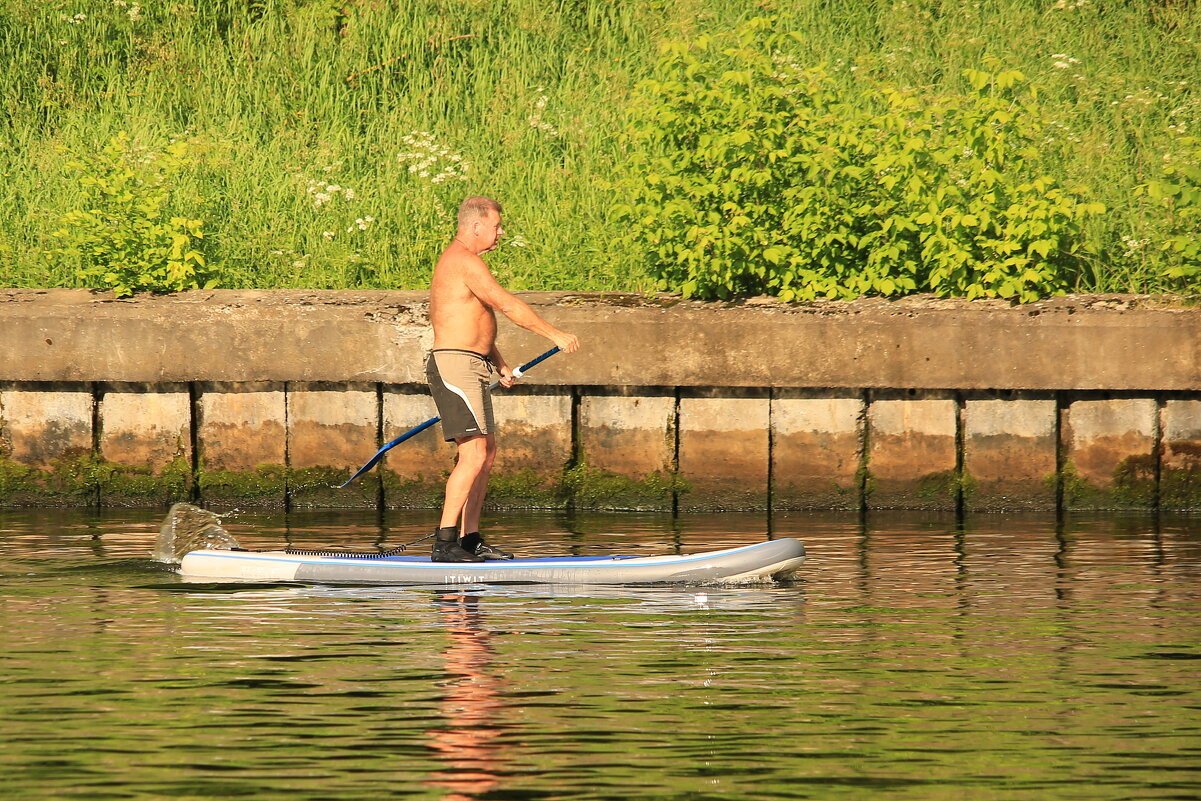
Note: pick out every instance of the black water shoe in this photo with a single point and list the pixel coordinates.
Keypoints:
(474, 543)
(447, 548)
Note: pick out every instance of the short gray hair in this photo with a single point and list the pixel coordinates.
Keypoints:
(476, 208)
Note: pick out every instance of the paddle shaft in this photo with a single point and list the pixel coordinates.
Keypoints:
(412, 432)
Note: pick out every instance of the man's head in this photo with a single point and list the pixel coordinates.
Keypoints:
(479, 223)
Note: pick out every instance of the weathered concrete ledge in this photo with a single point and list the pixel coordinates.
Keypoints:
(270, 398)
(1083, 342)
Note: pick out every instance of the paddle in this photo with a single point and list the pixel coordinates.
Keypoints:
(412, 432)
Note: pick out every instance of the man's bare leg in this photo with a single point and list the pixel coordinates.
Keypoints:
(471, 540)
(479, 490)
(473, 454)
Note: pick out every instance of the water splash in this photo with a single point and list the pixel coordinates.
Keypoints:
(189, 528)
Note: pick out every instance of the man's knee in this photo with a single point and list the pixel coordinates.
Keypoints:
(475, 452)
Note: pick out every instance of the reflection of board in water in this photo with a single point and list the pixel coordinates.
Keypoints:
(190, 528)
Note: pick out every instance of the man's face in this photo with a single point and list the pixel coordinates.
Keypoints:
(489, 231)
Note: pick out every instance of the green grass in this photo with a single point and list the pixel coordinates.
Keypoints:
(533, 96)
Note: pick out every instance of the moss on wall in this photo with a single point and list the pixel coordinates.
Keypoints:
(264, 487)
(318, 487)
(139, 485)
(1180, 478)
(87, 480)
(591, 488)
(526, 489)
(1133, 486)
(70, 481)
(419, 492)
(946, 485)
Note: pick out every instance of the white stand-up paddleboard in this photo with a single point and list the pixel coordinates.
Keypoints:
(765, 561)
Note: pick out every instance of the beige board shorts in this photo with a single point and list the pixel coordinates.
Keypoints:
(460, 383)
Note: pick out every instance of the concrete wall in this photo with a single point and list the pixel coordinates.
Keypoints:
(272, 399)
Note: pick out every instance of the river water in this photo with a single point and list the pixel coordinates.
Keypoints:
(1008, 657)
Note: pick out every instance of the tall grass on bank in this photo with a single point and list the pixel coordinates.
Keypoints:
(330, 141)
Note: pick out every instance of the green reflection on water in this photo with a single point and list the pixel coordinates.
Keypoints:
(1006, 658)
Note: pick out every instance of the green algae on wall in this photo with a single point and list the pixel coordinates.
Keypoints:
(946, 484)
(1133, 486)
(265, 487)
(70, 481)
(1180, 487)
(321, 487)
(525, 489)
(591, 488)
(1180, 475)
(140, 485)
(417, 492)
(88, 480)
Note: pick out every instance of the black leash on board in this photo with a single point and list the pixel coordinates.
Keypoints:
(396, 551)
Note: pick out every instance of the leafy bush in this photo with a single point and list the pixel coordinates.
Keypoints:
(1179, 194)
(750, 174)
(130, 234)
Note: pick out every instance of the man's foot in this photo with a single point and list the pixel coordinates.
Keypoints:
(447, 548)
(474, 543)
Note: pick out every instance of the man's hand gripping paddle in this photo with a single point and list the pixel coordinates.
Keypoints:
(412, 432)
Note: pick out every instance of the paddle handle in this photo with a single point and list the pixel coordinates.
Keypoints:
(520, 371)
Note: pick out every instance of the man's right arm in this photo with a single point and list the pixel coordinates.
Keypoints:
(485, 287)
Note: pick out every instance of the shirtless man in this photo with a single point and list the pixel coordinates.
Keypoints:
(464, 299)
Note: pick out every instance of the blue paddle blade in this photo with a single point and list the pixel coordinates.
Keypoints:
(370, 464)
(412, 432)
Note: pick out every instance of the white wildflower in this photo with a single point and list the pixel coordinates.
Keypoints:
(535, 120)
(426, 158)
(328, 234)
(1133, 245)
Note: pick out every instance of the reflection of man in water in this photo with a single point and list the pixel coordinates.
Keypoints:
(471, 703)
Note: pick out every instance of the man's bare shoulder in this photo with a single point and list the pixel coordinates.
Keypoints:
(457, 260)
